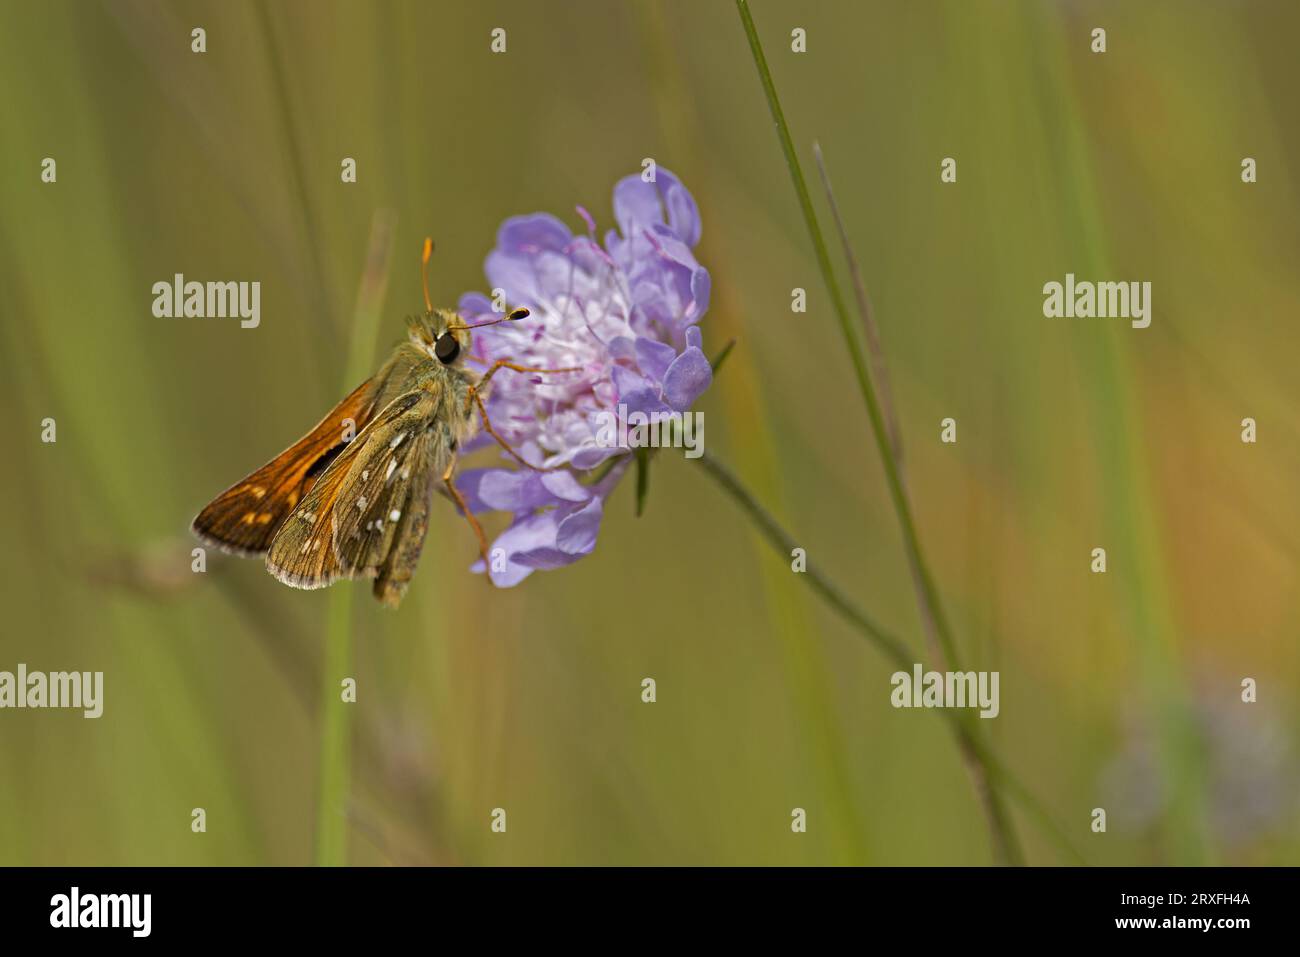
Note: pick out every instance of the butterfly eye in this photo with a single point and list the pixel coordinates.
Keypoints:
(446, 348)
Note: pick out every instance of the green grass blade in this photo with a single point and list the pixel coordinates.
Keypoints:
(334, 781)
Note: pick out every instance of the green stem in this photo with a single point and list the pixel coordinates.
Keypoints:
(1005, 844)
(785, 543)
(960, 723)
(334, 782)
(869, 326)
(857, 356)
(316, 288)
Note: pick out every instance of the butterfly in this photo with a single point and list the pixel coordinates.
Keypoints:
(351, 498)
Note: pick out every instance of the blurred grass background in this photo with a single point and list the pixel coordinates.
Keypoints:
(1119, 691)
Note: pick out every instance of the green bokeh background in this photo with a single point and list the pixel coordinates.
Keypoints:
(1118, 690)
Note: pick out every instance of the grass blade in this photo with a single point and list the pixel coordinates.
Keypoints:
(1006, 845)
(334, 781)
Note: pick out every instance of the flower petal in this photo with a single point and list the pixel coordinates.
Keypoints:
(641, 204)
(654, 357)
(636, 205)
(473, 306)
(528, 534)
(530, 259)
(502, 490)
(563, 485)
(533, 232)
(701, 287)
(543, 559)
(574, 537)
(576, 533)
(592, 455)
(627, 382)
(683, 214)
(687, 378)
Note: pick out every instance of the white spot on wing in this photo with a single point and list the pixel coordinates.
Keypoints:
(394, 515)
(397, 440)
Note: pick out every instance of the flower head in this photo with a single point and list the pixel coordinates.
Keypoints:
(623, 314)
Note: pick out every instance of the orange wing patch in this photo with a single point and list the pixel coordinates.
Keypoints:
(244, 518)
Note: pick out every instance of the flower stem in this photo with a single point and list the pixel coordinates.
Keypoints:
(335, 774)
(857, 356)
(784, 543)
(960, 722)
(1006, 847)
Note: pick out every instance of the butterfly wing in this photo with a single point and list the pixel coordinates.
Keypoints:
(413, 517)
(244, 518)
(345, 526)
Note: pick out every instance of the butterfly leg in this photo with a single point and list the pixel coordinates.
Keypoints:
(473, 522)
(507, 364)
(487, 427)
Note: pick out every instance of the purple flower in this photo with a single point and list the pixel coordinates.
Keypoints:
(624, 314)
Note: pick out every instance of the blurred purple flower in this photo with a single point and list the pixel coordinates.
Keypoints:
(1247, 758)
(625, 315)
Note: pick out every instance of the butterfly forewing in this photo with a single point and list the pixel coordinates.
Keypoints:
(245, 517)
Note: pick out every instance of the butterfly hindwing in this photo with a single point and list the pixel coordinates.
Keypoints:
(399, 564)
(368, 521)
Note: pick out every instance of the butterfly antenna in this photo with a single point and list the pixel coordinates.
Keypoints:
(424, 271)
(513, 316)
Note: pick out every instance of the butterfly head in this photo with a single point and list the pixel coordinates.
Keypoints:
(445, 336)
(440, 332)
